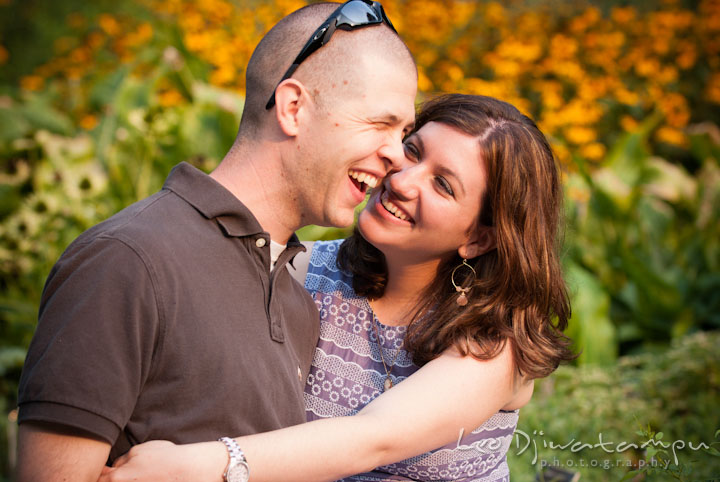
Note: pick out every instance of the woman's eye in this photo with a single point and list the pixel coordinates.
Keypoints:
(411, 151)
(444, 185)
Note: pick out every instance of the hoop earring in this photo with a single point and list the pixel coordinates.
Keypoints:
(462, 299)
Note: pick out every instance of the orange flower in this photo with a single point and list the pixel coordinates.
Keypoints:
(88, 122)
(580, 134)
(593, 151)
(671, 136)
(109, 24)
(32, 82)
(623, 15)
(628, 123)
(170, 98)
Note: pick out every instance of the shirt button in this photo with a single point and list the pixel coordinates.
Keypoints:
(260, 242)
(299, 374)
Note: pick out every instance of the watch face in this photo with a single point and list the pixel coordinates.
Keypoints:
(238, 473)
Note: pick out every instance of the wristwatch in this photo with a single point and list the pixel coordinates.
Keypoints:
(237, 469)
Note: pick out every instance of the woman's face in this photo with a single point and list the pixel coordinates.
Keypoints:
(430, 208)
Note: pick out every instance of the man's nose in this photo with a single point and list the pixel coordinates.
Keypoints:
(392, 153)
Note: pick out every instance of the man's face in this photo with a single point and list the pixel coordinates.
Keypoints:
(350, 144)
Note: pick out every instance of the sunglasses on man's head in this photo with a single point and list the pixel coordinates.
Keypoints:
(348, 16)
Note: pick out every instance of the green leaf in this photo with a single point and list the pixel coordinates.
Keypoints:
(590, 325)
(42, 115)
(629, 475)
(11, 357)
(713, 451)
(13, 124)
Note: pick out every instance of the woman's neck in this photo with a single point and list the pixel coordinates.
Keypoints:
(405, 284)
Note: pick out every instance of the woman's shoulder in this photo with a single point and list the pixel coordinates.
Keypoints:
(324, 256)
(323, 273)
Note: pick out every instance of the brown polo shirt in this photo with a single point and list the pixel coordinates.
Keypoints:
(165, 322)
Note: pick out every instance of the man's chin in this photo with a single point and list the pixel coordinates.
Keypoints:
(339, 219)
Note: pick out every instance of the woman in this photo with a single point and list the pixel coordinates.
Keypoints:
(453, 277)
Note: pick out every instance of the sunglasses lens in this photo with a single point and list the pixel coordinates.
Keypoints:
(358, 13)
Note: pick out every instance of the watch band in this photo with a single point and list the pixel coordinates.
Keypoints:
(237, 468)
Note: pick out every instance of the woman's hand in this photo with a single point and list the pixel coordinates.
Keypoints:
(163, 460)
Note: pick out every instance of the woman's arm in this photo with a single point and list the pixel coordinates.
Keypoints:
(445, 399)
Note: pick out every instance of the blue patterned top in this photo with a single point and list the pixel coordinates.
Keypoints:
(347, 373)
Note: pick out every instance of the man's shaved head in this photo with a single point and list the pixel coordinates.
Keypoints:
(329, 73)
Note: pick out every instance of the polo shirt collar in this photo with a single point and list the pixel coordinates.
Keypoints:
(212, 200)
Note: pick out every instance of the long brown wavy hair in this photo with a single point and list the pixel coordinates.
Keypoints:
(519, 295)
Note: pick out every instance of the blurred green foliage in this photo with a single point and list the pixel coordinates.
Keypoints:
(675, 392)
(643, 249)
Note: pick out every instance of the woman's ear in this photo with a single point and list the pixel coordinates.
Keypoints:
(484, 239)
(288, 102)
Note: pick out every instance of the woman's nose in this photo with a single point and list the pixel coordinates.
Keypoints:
(404, 183)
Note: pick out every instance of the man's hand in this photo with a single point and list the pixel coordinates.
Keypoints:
(163, 460)
(51, 453)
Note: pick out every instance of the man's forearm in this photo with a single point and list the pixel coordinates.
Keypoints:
(50, 453)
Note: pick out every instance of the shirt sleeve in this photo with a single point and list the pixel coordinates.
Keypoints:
(97, 331)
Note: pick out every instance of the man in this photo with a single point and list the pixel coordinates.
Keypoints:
(168, 320)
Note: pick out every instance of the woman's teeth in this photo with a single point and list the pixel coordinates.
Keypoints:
(368, 179)
(389, 206)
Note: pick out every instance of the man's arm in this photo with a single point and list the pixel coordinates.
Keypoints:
(50, 453)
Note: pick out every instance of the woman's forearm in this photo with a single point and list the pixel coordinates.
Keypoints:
(326, 449)
(449, 396)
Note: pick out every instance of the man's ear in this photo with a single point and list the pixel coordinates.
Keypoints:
(483, 240)
(289, 97)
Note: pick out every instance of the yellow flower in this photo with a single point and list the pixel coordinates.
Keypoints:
(109, 24)
(667, 75)
(223, 75)
(628, 123)
(95, 40)
(562, 153)
(424, 82)
(563, 47)
(580, 134)
(484, 87)
(647, 67)
(675, 108)
(712, 92)
(593, 151)
(671, 136)
(170, 98)
(88, 122)
(32, 82)
(495, 14)
(623, 15)
(687, 55)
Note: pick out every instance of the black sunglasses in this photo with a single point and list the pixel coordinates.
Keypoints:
(348, 16)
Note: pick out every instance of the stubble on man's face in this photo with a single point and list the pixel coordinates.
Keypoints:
(357, 136)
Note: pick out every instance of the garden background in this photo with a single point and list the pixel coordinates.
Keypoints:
(98, 100)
